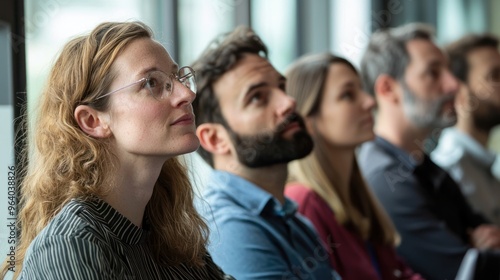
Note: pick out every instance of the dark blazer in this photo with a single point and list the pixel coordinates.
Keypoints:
(426, 206)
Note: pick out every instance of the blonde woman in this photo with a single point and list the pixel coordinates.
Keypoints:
(327, 184)
(104, 195)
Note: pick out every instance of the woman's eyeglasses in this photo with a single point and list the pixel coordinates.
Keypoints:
(161, 85)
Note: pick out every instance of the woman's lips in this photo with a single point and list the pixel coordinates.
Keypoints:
(186, 119)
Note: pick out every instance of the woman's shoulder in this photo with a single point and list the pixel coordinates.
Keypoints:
(67, 247)
(72, 222)
(68, 236)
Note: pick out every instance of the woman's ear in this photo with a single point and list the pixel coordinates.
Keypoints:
(214, 138)
(92, 122)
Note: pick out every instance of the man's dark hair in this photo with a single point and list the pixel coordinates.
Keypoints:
(387, 52)
(460, 49)
(219, 57)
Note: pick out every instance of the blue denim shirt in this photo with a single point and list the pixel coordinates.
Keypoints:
(254, 237)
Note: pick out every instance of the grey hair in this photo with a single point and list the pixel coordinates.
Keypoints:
(387, 54)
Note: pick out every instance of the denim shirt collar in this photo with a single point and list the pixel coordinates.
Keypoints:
(287, 210)
(250, 196)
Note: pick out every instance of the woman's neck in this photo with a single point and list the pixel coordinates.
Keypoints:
(341, 161)
(134, 184)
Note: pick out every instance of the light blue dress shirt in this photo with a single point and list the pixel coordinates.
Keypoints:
(254, 237)
(470, 165)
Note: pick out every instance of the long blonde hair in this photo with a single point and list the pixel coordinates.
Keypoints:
(359, 209)
(65, 163)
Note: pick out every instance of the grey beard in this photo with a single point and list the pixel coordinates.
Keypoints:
(427, 113)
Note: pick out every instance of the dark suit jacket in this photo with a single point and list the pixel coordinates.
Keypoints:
(426, 206)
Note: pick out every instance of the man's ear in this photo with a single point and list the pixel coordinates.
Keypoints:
(214, 138)
(387, 88)
(92, 122)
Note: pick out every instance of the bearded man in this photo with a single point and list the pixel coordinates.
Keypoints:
(462, 149)
(415, 92)
(249, 131)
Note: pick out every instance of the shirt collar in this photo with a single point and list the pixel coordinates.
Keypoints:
(454, 137)
(287, 210)
(423, 167)
(408, 160)
(250, 196)
(118, 224)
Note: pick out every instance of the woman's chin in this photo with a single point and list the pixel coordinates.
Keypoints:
(192, 143)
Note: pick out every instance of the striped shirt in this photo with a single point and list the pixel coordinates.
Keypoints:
(91, 240)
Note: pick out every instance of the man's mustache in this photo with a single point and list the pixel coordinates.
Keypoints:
(293, 117)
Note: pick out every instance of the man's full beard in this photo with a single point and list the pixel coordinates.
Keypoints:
(485, 114)
(271, 148)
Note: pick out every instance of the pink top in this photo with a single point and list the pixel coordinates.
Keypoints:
(349, 253)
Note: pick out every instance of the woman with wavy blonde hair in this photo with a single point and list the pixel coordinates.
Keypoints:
(104, 195)
(327, 184)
